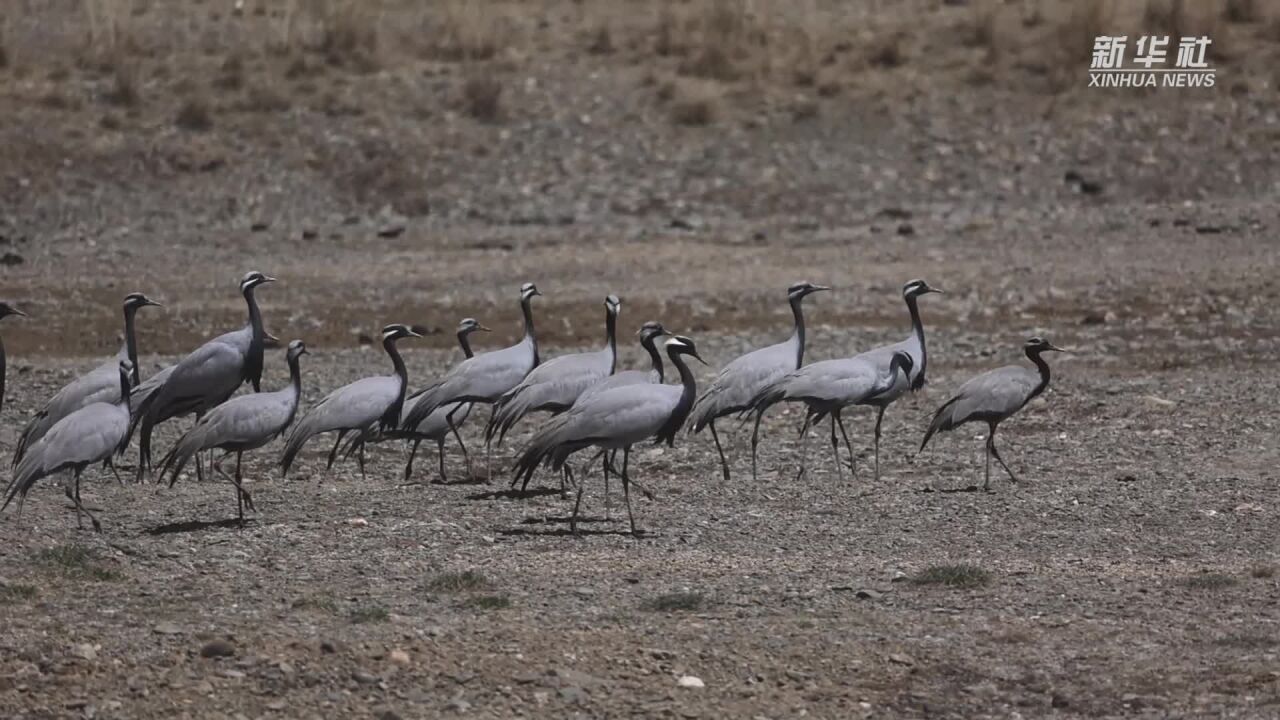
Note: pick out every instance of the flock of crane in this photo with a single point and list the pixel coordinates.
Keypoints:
(94, 418)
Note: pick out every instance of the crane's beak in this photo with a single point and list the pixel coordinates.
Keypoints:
(18, 312)
(151, 303)
(931, 289)
(268, 278)
(1051, 346)
(819, 288)
(411, 333)
(698, 357)
(481, 327)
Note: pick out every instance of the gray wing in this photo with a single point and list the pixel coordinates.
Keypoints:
(740, 381)
(833, 382)
(881, 357)
(248, 420)
(86, 436)
(211, 373)
(436, 424)
(484, 377)
(101, 384)
(617, 380)
(1000, 392)
(554, 385)
(350, 407)
(147, 387)
(621, 416)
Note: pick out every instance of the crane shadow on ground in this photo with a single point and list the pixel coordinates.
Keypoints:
(513, 494)
(558, 526)
(190, 526)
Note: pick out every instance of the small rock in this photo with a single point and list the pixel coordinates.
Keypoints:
(364, 678)
(799, 676)
(1094, 318)
(1158, 401)
(573, 695)
(328, 647)
(680, 223)
(217, 649)
(11, 258)
(85, 651)
(867, 594)
(232, 674)
(364, 338)
(1060, 701)
(309, 234)
(906, 229)
(167, 628)
(388, 715)
(259, 226)
(398, 657)
(357, 522)
(584, 592)
(690, 681)
(390, 230)
(204, 687)
(901, 659)
(458, 705)
(277, 705)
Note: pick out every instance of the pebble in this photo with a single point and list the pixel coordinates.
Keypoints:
(85, 651)
(364, 678)
(901, 659)
(690, 681)
(399, 657)
(217, 649)
(167, 628)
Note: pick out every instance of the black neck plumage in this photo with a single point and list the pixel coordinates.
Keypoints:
(253, 361)
(688, 392)
(611, 337)
(131, 340)
(526, 307)
(654, 356)
(390, 420)
(797, 311)
(465, 342)
(1034, 355)
(917, 327)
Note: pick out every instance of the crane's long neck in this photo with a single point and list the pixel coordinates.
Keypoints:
(611, 336)
(797, 335)
(126, 385)
(2, 373)
(917, 328)
(689, 391)
(391, 417)
(295, 376)
(530, 336)
(253, 361)
(654, 356)
(1043, 367)
(465, 342)
(131, 340)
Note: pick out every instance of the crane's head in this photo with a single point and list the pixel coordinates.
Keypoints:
(901, 362)
(612, 305)
(397, 331)
(136, 300)
(253, 279)
(269, 340)
(916, 288)
(297, 349)
(470, 325)
(681, 345)
(527, 291)
(1038, 345)
(6, 310)
(800, 289)
(650, 330)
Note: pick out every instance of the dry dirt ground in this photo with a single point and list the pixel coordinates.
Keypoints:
(1134, 572)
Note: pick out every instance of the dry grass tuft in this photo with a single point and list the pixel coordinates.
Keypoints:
(12, 594)
(601, 41)
(264, 98)
(231, 74)
(1263, 572)
(194, 115)
(482, 96)
(676, 602)
(694, 104)
(1243, 11)
(1210, 581)
(956, 576)
(887, 52)
(349, 34)
(75, 562)
(124, 90)
(463, 30)
(454, 582)
(369, 614)
(486, 602)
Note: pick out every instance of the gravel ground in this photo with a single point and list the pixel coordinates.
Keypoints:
(1133, 573)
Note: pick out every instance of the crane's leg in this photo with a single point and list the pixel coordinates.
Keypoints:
(986, 452)
(804, 437)
(991, 441)
(360, 460)
(573, 519)
(566, 480)
(605, 455)
(333, 454)
(879, 419)
(109, 465)
(626, 487)
(444, 479)
(74, 497)
(408, 466)
(853, 463)
(755, 442)
(239, 493)
(454, 429)
(724, 464)
(248, 499)
(835, 448)
(488, 451)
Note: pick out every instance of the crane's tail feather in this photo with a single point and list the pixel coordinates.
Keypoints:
(28, 436)
(942, 422)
